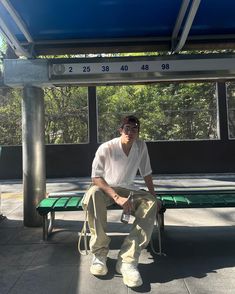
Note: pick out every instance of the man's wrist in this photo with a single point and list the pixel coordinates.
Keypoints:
(116, 197)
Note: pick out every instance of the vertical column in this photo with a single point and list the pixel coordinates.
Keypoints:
(1, 215)
(92, 116)
(33, 143)
(222, 107)
(0, 190)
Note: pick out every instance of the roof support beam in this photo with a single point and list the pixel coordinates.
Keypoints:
(18, 20)
(12, 40)
(123, 70)
(23, 28)
(188, 23)
(179, 21)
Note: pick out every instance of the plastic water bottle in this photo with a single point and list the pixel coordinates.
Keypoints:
(125, 218)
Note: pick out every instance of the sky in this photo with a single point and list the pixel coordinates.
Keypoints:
(1, 40)
(2, 43)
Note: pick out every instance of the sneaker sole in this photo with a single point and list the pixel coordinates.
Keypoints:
(130, 284)
(101, 272)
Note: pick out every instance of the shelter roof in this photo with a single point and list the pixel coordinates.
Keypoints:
(46, 27)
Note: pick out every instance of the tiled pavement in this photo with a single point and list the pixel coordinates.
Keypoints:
(199, 246)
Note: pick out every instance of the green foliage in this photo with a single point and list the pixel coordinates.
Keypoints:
(231, 108)
(10, 117)
(168, 111)
(66, 116)
(3, 47)
(66, 119)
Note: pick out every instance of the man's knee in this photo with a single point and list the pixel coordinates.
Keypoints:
(150, 199)
(146, 208)
(97, 197)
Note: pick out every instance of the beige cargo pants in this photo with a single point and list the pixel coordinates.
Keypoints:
(145, 209)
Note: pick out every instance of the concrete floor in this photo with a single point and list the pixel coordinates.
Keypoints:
(199, 246)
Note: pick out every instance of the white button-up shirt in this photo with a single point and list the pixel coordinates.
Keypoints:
(118, 169)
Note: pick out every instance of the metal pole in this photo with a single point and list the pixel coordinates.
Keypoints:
(93, 136)
(222, 113)
(33, 143)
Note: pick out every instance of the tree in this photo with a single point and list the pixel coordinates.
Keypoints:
(169, 111)
(10, 117)
(231, 108)
(66, 119)
(10, 106)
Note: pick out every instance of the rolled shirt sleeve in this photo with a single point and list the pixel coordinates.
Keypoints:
(145, 166)
(98, 165)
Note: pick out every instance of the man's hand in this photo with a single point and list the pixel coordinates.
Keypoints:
(125, 203)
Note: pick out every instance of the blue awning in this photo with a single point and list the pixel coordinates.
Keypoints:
(99, 26)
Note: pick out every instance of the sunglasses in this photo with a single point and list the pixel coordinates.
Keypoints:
(128, 129)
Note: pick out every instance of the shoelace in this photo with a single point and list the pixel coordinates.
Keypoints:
(131, 267)
(99, 260)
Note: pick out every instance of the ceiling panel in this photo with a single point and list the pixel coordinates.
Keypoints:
(99, 26)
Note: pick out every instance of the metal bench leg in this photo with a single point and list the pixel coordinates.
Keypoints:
(48, 226)
(161, 220)
(45, 227)
(159, 231)
(51, 222)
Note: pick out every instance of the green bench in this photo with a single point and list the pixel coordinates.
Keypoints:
(71, 201)
(61, 201)
(195, 199)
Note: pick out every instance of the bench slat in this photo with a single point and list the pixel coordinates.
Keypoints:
(181, 200)
(74, 202)
(46, 205)
(61, 203)
(167, 200)
(47, 202)
(198, 200)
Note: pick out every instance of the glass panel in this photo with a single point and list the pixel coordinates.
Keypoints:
(66, 115)
(10, 116)
(168, 111)
(230, 89)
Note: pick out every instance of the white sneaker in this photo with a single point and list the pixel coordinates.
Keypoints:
(98, 266)
(130, 274)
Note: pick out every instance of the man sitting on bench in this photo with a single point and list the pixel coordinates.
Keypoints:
(113, 172)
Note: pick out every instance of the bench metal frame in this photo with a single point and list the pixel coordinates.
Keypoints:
(69, 201)
(48, 224)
